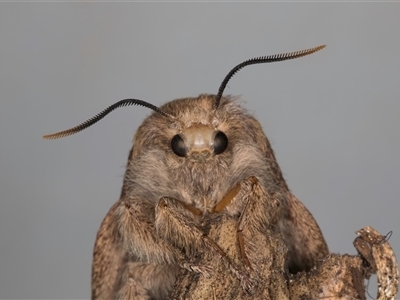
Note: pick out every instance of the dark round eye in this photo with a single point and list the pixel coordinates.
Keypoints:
(178, 146)
(220, 142)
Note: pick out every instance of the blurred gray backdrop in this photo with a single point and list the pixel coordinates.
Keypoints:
(332, 118)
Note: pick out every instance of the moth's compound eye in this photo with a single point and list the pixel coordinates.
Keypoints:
(178, 146)
(220, 142)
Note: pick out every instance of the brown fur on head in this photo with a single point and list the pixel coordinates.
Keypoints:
(154, 170)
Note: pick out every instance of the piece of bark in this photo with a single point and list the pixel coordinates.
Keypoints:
(339, 277)
(377, 251)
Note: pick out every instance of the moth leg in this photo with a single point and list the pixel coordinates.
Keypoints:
(177, 225)
(240, 237)
(145, 281)
(138, 236)
(227, 199)
(131, 289)
(137, 228)
(249, 200)
(239, 192)
(240, 200)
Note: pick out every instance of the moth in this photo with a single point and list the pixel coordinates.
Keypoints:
(189, 161)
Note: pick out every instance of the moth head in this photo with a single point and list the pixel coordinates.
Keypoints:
(197, 141)
(196, 133)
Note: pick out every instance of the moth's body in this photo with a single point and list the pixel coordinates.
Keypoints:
(131, 258)
(187, 161)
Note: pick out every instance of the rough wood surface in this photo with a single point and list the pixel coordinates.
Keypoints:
(376, 250)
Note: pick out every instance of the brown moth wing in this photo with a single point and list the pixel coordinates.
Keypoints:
(307, 246)
(300, 230)
(108, 257)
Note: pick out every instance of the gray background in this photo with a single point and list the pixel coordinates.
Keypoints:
(333, 117)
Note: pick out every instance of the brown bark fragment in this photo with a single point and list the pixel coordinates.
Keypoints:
(383, 261)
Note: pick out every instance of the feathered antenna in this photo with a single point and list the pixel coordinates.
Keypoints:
(101, 115)
(129, 102)
(261, 60)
